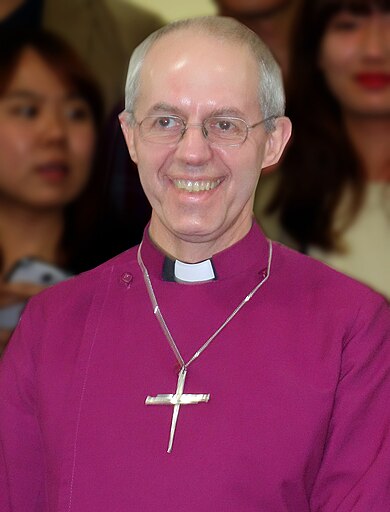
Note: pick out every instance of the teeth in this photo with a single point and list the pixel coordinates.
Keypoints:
(196, 186)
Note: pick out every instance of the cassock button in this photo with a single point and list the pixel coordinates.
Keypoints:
(127, 279)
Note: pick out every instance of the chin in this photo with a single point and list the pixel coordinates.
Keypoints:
(48, 202)
(197, 232)
(191, 233)
(374, 111)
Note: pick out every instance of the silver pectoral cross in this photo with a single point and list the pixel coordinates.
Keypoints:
(178, 399)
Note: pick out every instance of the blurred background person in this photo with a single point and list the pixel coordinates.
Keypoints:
(102, 32)
(331, 194)
(50, 113)
(272, 20)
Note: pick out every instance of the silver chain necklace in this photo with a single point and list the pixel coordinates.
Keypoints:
(180, 398)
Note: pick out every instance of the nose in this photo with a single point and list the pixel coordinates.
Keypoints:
(54, 127)
(194, 148)
(376, 37)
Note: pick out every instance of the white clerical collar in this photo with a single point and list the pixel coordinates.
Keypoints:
(176, 270)
(194, 272)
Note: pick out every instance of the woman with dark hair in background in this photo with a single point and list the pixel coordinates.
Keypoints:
(102, 32)
(332, 189)
(50, 111)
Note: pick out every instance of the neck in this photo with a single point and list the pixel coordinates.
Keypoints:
(370, 138)
(29, 233)
(193, 249)
(7, 7)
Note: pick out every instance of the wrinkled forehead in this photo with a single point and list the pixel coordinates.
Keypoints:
(195, 41)
(196, 70)
(191, 51)
(198, 76)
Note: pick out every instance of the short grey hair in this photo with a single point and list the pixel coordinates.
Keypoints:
(270, 89)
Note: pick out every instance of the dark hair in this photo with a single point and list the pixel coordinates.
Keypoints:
(58, 55)
(80, 214)
(320, 161)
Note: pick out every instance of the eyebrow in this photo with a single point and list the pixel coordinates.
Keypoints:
(228, 111)
(167, 108)
(21, 93)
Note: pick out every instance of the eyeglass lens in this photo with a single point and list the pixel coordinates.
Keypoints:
(170, 129)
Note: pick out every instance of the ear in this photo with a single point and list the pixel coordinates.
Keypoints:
(277, 140)
(128, 133)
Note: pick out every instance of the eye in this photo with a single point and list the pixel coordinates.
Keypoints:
(78, 111)
(24, 110)
(167, 123)
(225, 125)
(345, 22)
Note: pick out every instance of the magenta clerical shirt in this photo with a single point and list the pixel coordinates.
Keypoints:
(299, 413)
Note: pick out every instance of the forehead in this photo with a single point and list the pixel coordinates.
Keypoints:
(195, 70)
(355, 7)
(32, 72)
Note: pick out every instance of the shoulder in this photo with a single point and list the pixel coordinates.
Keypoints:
(329, 305)
(79, 291)
(321, 285)
(59, 316)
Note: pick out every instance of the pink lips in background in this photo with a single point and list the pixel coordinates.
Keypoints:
(373, 80)
(53, 172)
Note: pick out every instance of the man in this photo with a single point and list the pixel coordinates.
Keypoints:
(103, 32)
(272, 20)
(127, 207)
(208, 368)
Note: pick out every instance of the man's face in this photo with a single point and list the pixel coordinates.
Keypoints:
(196, 76)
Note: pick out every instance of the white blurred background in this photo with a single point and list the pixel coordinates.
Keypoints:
(175, 9)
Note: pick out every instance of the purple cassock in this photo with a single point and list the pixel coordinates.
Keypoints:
(298, 418)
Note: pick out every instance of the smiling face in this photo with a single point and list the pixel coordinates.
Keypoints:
(355, 60)
(200, 193)
(47, 138)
